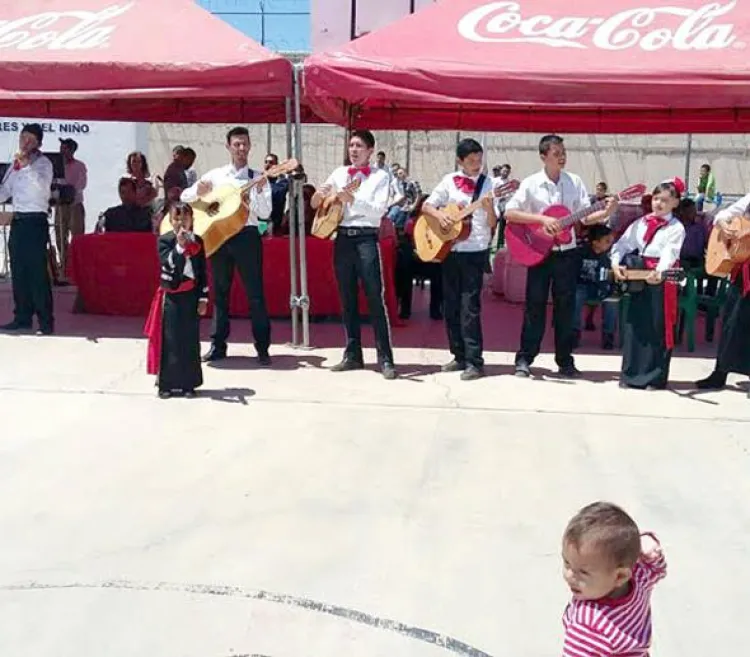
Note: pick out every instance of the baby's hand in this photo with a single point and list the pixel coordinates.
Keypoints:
(650, 548)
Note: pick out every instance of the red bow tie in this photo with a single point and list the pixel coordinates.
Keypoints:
(464, 184)
(653, 223)
(365, 171)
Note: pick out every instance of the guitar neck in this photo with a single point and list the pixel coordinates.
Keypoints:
(581, 214)
(469, 209)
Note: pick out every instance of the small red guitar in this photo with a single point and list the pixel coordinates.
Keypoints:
(529, 244)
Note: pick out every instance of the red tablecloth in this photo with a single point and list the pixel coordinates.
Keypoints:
(117, 274)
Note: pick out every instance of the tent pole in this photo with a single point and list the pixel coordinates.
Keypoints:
(294, 198)
(688, 155)
(304, 299)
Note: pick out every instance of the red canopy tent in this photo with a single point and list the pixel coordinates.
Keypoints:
(653, 66)
(142, 60)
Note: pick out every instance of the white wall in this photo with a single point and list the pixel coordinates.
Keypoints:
(102, 146)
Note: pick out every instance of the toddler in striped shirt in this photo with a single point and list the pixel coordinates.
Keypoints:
(611, 569)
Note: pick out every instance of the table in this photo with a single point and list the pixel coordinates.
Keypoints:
(117, 274)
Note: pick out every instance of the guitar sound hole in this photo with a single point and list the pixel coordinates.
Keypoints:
(212, 209)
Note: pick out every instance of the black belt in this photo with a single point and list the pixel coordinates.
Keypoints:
(21, 215)
(358, 231)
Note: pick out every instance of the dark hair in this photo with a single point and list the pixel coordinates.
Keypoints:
(602, 184)
(548, 141)
(366, 136)
(707, 167)
(177, 149)
(238, 131)
(273, 155)
(507, 165)
(381, 153)
(666, 186)
(179, 208)
(34, 129)
(685, 204)
(127, 182)
(610, 529)
(598, 231)
(144, 163)
(468, 147)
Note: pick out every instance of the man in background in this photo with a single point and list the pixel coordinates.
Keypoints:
(70, 215)
(279, 192)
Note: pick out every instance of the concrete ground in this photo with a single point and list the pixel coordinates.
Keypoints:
(292, 512)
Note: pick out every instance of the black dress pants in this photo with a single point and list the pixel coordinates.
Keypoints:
(559, 271)
(32, 290)
(244, 251)
(463, 277)
(356, 257)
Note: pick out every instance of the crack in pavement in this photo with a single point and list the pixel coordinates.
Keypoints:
(374, 404)
(437, 639)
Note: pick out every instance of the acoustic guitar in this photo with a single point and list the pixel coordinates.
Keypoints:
(433, 243)
(529, 244)
(723, 255)
(637, 275)
(330, 212)
(222, 213)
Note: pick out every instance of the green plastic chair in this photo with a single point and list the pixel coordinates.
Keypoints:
(692, 301)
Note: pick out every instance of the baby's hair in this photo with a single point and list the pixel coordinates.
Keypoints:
(609, 529)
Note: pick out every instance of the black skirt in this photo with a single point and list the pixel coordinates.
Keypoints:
(180, 365)
(734, 345)
(645, 357)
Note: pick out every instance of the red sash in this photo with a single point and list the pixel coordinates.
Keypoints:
(670, 303)
(154, 324)
(744, 271)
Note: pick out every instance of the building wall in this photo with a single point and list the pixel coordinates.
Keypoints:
(619, 160)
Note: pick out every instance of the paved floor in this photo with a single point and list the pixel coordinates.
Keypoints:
(296, 513)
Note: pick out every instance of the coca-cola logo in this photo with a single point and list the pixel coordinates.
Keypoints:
(648, 28)
(61, 30)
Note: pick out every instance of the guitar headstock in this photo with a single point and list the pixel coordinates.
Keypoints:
(287, 166)
(634, 191)
(506, 190)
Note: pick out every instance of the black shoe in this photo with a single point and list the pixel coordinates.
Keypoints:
(15, 326)
(608, 342)
(190, 394)
(264, 360)
(45, 330)
(215, 353)
(660, 386)
(348, 365)
(523, 369)
(715, 381)
(569, 372)
(472, 373)
(388, 371)
(165, 394)
(454, 366)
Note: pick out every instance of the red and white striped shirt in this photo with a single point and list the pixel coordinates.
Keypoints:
(615, 628)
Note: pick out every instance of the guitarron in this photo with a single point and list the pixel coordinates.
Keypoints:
(432, 243)
(330, 212)
(221, 214)
(722, 256)
(529, 244)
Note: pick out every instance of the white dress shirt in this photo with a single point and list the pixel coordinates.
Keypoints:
(538, 192)
(370, 200)
(446, 192)
(737, 209)
(77, 177)
(260, 202)
(666, 244)
(29, 186)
